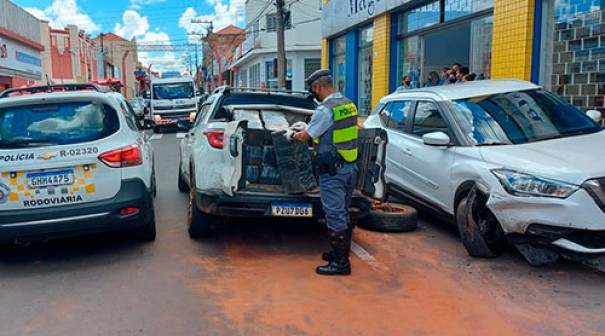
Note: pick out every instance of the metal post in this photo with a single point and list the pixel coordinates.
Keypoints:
(281, 49)
(103, 55)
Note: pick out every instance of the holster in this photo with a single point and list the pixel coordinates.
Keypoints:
(327, 163)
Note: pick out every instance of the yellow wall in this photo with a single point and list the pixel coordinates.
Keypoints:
(380, 58)
(325, 54)
(512, 38)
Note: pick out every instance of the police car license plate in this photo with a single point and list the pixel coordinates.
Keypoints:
(291, 210)
(50, 178)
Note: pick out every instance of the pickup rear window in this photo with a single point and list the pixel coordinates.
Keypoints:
(56, 124)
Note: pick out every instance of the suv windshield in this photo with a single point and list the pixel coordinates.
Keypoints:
(55, 124)
(520, 117)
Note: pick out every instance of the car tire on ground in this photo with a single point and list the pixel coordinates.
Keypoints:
(199, 223)
(480, 232)
(390, 217)
(146, 232)
(157, 129)
(183, 186)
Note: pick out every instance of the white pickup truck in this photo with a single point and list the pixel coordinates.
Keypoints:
(228, 165)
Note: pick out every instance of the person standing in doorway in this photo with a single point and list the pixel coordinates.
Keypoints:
(333, 129)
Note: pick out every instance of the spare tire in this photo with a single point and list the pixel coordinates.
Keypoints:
(390, 217)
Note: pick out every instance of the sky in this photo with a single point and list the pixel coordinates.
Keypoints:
(151, 22)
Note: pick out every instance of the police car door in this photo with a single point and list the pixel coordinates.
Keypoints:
(370, 161)
(233, 148)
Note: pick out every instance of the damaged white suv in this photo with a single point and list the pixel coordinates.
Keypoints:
(505, 160)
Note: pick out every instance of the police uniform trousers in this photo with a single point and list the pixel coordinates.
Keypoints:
(336, 193)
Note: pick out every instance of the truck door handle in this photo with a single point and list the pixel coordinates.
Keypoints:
(408, 152)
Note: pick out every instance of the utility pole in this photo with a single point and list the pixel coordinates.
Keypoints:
(103, 55)
(281, 48)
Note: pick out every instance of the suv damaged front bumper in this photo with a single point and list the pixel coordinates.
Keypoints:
(574, 225)
(255, 205)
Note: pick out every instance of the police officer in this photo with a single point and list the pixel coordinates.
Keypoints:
(333, 129)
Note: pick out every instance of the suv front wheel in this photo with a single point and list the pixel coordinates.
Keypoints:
(199, 223)
(479, 229)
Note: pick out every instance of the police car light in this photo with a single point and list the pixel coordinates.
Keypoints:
(123, 157)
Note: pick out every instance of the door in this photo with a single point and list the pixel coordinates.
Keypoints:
(429, 168)
(233, 152)
(372, 150)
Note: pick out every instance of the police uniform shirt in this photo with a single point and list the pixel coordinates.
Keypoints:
(323, 118)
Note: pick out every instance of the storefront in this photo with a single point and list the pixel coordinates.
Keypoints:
(373, 44)
(20, 47)
(20, 64)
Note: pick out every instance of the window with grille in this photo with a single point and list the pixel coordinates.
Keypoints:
(311, 65)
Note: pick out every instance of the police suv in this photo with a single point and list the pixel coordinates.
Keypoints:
(73, 161)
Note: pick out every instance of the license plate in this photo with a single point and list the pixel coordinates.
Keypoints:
(50, 178)
(292, 210)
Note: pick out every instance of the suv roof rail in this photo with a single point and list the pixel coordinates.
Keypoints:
(227, 89)
(54, 88)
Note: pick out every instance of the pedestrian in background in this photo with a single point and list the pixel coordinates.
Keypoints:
(406, 83)
(333, 129)
(433, 80)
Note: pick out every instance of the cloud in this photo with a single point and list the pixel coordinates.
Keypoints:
(151, 52)
(222, 16)
(65, 12)
(134, 25)
(136, 4)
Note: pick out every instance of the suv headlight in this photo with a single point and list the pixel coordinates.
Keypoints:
(521, 184)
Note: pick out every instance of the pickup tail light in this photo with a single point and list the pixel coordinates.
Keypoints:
(128, 156)
(216, 138)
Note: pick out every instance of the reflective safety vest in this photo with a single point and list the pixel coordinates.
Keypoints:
(343, 134)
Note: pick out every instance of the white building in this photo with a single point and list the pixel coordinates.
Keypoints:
(255, 65)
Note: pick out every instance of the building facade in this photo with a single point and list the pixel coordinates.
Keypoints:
(119, 60)
(70, 57)
(559, 44)
(256, 64)
(219, 49)
(20, 47)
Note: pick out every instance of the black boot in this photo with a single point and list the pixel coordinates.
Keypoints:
(328, 256)
(341, 248)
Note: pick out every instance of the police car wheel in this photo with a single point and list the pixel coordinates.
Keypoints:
(390, 217)
(146, 232)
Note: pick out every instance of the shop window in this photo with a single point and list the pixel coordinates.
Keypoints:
(339, 47)
(408, 59)
(421, 17)
(271, 73)
(243, 78)
(366, 37)
(454, 9)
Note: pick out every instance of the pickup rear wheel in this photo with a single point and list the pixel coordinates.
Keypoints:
(183, 186)
(480, 231)
(199, 223)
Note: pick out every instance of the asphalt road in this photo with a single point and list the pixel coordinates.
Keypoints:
(257, 278)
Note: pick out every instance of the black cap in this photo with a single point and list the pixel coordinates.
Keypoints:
(314, 76)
